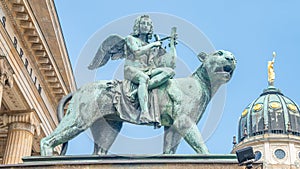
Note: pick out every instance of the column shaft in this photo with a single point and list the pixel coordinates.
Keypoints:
(19, 142)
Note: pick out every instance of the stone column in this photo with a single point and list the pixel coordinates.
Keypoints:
(21, 128)
(6, 76)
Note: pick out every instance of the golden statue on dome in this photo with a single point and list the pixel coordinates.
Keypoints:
(271, 73)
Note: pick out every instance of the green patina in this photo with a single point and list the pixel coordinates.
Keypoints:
(148, 96)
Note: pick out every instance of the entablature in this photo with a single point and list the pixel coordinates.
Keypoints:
(35, 48)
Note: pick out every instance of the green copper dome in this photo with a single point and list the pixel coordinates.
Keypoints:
(271, 112)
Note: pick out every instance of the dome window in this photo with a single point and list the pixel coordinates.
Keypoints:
(245, 112)
(275, 105)
(292, 107)
(279, 153)
(257, 107)
(257, 155)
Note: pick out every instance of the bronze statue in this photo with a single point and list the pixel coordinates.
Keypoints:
(176, 104)
(146, 64)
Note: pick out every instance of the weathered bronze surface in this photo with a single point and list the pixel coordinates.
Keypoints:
(148, 95)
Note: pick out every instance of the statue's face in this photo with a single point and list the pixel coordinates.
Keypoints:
(145, 25)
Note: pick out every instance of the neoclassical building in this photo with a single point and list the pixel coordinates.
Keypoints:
(35, 72)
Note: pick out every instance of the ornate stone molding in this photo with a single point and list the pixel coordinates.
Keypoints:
(22, 126)
(6, 76)
(36, 48)
(6, 73)
(14, 120)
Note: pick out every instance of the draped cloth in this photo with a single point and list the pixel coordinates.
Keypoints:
(128, 107)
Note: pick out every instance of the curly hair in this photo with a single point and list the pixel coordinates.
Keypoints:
(136, 27)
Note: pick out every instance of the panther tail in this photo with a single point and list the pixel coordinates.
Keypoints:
(60, 114)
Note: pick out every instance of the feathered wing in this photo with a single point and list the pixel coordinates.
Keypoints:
(112, 47)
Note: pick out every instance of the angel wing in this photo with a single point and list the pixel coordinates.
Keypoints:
(112, 47)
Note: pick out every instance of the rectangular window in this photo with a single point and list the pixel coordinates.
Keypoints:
(39, 89)
(21, 53)
(26, 63)
(15, 42)
(3, 21)
(30, 72)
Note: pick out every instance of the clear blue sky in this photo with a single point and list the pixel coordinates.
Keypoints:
(251, 30)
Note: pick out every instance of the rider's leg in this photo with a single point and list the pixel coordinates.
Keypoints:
(141, 79)
(143, 92)
(159, 76)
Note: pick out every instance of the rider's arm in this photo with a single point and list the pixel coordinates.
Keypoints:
(139, 50)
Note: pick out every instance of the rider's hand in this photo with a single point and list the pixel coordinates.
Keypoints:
(157, 44)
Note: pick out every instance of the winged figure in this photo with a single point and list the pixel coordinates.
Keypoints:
(111, 48)
(147, 64)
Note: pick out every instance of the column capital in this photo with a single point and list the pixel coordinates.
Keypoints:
(15, 118)
(6, 72)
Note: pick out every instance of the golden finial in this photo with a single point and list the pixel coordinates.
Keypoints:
(271, 73)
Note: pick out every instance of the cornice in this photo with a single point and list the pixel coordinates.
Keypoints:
(37, 49)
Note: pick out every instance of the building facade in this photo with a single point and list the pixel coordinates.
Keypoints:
(35, 73)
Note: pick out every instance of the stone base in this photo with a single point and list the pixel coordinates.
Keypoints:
(132, 161)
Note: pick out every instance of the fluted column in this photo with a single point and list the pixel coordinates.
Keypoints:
(21, 129)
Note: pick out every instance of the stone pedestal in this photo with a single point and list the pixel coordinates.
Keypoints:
(21, 128)
(132, 161)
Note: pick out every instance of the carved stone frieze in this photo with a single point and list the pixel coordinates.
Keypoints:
(6, 73)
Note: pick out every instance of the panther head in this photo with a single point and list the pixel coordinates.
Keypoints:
(219, 65)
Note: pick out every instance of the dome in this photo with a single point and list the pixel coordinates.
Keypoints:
(271, 112)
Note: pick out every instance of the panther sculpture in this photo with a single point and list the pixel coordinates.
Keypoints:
(184, 102)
